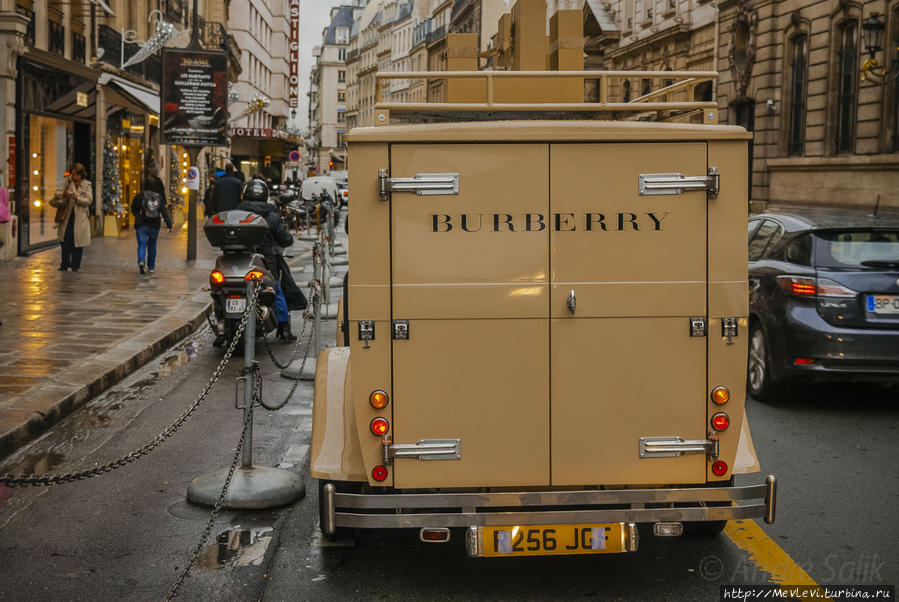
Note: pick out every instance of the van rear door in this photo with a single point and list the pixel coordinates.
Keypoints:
(470, 274)
(623, 362)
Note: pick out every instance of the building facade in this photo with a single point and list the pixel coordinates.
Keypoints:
(260, 140)
(328, 91)
(792, 72)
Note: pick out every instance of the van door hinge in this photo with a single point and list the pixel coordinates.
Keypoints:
(420, 184)
(729, 329)
(425, 449)
(676, 183)
(674, 447)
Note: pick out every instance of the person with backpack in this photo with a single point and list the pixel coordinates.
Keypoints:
(148, 208)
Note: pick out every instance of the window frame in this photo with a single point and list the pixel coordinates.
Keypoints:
(845, 118)
(797, 90)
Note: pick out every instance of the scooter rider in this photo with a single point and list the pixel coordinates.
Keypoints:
(255, 200)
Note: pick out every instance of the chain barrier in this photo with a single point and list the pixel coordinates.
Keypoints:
(248, 420)
(56, 479)
(296, 381)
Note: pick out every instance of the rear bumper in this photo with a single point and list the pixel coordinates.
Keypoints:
(417, 510)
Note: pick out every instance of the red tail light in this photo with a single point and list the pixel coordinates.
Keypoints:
(719, 468)
(379, 426)
(720, 421)
(248, 219)
(803, 286)
(803, 361)
(253, 275)
(216, 277)
(379, 473)
(217, 220)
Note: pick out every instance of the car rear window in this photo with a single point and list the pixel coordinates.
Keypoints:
(857, 248)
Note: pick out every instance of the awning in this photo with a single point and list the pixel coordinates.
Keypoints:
(136, 97)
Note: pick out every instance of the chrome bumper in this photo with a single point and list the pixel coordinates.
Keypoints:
(416, 510)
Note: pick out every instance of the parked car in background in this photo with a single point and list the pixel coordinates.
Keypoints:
(823, 297)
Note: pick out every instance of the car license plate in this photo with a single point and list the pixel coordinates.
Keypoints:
(235, 305)
(542, 540)
(883, 304)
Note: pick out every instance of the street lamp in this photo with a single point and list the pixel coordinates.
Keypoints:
(164, 32)
(872, 30)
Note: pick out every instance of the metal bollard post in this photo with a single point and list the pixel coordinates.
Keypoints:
(326, 273)
(250, 385)
(316, 339)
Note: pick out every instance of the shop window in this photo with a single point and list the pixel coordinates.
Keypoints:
(50, 143)
(847, 82)
(797, 94)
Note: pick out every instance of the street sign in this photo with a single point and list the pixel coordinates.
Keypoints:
(294, 156)
(193, 178)
(194, 97)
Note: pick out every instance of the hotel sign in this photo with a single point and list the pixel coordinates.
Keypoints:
(293, 62)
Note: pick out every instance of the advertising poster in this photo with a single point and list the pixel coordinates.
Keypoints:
(194, 97)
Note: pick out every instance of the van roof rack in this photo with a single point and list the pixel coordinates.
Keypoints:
(654, 106)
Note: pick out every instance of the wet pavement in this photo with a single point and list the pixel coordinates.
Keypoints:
(68, 336)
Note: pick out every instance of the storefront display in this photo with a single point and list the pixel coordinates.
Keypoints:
(50, 146)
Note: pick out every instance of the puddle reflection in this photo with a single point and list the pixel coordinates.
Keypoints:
(237, 547)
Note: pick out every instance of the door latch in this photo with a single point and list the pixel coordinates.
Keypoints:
(677, 183)
(572, 302)
(697, 326)
(401, 330)
(366, 332)
(729, 329)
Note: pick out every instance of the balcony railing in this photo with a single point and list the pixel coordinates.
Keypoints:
(56, 38)
(111, 42)
(437, 34)
(29, 29)
(78, 47)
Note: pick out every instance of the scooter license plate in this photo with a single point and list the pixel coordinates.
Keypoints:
(235, 305)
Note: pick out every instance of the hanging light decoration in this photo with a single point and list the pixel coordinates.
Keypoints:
(164, 32)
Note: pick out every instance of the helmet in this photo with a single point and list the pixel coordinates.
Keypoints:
(255, 190)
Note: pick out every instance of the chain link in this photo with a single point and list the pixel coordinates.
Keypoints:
(299, 376)
(56, 479)
(248, 420)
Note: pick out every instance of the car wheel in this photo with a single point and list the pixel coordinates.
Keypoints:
(759, 382)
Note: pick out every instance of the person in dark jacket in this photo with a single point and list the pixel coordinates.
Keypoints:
(209, 200)
(148, 208)
(154, 183)
(255, 200)
(227, 190)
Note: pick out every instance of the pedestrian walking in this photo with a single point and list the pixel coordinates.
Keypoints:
(228, 189)
(73, 228)
(209, 200)
(153, 182)
(148, 208)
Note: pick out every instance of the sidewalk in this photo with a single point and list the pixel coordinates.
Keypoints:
(68, 336)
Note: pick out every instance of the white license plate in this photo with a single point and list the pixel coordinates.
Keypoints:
(235, 306)
(883, 304)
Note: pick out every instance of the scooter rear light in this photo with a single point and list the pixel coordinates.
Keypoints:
(216, 277)
(253, 275)
(217, 220)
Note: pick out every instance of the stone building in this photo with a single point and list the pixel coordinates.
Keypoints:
(792, 72)
(328, 90)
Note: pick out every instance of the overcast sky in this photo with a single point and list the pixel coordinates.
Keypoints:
(314, 16)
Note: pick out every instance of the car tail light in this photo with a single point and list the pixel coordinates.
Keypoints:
(379, 426)
(719, 468)
(379, 473)
(217, 277)
(253, 275)
(378, 400)
(803, 286)
(720, 421)
(720, 395)
(803, 361)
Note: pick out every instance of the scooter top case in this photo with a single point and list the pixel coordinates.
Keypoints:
(235, 230)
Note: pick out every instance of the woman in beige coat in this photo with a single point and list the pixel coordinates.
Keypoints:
(74, 231)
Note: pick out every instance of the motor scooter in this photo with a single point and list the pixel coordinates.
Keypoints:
(237, 233)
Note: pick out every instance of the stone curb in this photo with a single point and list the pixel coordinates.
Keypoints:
(48, 404)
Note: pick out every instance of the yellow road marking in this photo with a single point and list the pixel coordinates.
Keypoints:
(767, 555)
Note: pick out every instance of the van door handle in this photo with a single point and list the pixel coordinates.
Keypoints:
(572, 301)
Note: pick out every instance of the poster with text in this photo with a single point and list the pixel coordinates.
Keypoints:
(194, 97)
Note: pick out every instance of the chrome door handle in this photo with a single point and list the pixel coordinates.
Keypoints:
(572, 302)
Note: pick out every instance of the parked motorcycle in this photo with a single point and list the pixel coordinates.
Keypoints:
(237, 233)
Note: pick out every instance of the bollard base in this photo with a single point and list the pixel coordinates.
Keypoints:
(253, 488)
(293, 369)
